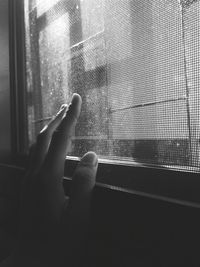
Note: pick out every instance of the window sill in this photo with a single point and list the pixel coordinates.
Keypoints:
(165, 183)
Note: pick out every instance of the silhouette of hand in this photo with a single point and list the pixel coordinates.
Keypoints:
(52, 227)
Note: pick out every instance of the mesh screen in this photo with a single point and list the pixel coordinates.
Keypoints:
(136, 65)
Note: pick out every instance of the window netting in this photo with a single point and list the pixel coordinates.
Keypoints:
(136, 65)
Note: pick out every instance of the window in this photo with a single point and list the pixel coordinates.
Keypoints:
(136, 65)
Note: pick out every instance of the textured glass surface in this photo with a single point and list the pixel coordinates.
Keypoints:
(136, 65)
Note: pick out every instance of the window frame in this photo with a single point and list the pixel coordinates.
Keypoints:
(19, 132)
(138, 178)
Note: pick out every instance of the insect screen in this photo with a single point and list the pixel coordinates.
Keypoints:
(136, 65)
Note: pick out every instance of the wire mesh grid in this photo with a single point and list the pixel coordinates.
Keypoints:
(136, 66)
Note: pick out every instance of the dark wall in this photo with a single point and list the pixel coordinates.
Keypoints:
(133, 230)
(10, 181)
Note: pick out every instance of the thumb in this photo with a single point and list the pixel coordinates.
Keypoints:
(78, 215)
(84, 179)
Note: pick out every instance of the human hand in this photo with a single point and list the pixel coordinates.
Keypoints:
(53, 228)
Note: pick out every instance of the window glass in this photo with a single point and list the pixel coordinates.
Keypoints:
(42, 6)
(136, 65)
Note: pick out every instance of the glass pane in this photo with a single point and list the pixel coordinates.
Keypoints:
(136, 65)
(42, 6)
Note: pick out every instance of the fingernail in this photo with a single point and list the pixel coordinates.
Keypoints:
(89, 159)
(63, 107)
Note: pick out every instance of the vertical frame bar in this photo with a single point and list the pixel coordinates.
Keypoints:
(19, 131)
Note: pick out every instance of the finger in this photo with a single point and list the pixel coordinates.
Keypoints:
(78, 215)
(61, 138)
(84, 177)
(44, 138)
(55, 121)
(83, 183)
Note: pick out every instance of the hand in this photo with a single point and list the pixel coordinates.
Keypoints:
(53, 227)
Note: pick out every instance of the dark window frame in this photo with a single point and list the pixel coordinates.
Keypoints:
(19, 133)
(134, 178)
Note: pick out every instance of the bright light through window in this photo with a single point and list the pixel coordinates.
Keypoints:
(136, 65)
(41, 5)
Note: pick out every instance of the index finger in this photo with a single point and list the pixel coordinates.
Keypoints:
(44, 139)
(61, 138)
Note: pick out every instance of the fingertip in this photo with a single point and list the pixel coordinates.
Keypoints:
(76, 104)
(89, 159)
(63, 106)
(76, 99)
(74, 109)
